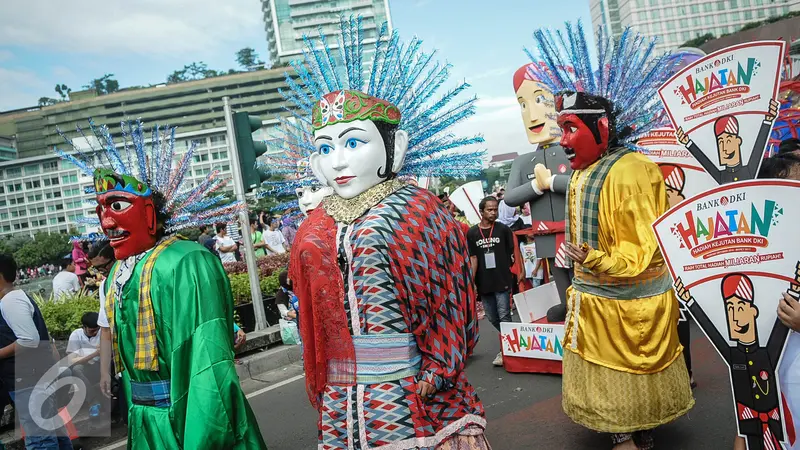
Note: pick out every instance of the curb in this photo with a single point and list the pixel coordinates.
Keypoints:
(265, 361)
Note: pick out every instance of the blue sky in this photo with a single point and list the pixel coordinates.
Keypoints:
(142, 41)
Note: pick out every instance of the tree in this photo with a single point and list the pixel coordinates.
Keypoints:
(698, 41)
(63, 90)
(103, 85)
(44, 248)
(194, 71)
(47, 101)
(248, 59)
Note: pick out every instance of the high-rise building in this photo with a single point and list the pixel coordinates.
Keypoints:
(40, 192)
(8, 148)
(287, 21)
(674, 22)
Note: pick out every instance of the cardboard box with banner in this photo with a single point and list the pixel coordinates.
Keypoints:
(533, 346)
(733, 254)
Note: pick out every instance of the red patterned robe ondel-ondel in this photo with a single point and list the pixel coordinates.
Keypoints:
(400, 268)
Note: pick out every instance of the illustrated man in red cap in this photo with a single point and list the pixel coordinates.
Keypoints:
(675, 180)
(753, 367)
(729, 148)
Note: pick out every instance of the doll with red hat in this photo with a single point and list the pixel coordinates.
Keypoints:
(540, 178)
(753, 366)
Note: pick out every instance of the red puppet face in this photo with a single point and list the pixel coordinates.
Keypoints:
(579, 142)
(129, 221)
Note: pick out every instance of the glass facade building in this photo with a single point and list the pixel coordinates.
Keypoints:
(286, 21)
(674, 22)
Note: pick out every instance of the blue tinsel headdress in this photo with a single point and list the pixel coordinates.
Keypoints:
(152, 164)
(627, 73)
(401, 74)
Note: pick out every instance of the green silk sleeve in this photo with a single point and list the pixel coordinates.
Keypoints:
(209, 408)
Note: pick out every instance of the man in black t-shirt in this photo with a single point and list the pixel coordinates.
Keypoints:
(491, 251)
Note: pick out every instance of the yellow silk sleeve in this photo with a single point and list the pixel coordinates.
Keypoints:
(631, 199)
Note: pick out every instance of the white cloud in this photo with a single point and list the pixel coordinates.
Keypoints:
(498, 120)
(19, 87)
(492, 73)
(62, 72)
(117, 27)
(5, 55)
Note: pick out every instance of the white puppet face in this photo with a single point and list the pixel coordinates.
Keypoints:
(351, 156)
(309, 197)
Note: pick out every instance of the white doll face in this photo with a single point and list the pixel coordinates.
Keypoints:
(351, 156)
(309, 197)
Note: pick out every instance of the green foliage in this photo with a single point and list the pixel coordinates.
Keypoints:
(103, 85)
(63, 316)
(269, 285)
(47, 101)
(63, 91)
(240, 288)
(44, 248)
(247, 58)
(698, 41)
(194, 71)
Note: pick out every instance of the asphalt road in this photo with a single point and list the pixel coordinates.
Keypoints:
(524, 410)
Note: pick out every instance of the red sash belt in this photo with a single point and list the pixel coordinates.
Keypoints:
(746, 413)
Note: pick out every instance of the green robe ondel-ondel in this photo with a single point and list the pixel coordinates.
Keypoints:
(193, 310)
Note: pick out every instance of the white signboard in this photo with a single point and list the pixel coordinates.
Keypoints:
(683, 175)
(534, 303)
(722, 107)
(466, 198)
(532, 340)
(733, 253)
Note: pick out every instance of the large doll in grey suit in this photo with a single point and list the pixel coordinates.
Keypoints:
(547, 205)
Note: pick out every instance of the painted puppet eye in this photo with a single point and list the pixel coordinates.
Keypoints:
(325, 149)
(353, 143)
(573, 129)
(523, 105)
(540, 99)
(120, 205)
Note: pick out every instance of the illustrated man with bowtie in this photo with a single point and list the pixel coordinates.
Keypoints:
(753, 367)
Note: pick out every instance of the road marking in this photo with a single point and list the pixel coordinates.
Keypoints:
(275, 386)
(122, 443)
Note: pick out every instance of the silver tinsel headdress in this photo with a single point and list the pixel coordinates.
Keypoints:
(401, 74)
(627, 73)
(151, 163)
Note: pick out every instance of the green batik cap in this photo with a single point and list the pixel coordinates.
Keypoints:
(106, 180)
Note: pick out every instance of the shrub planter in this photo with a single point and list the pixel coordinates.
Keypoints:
(247, 316)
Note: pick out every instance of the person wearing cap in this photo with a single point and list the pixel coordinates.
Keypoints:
(729, 148)
(547, 205)
(753, 367)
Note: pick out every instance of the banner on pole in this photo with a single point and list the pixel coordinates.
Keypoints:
(723, 105)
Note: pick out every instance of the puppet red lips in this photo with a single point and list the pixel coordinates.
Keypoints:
(343, 180)
(537, 128)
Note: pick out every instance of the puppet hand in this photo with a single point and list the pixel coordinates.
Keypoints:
(682, 137)
(773, 110)
(577, 253)
(543, 175)
(683, 294)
